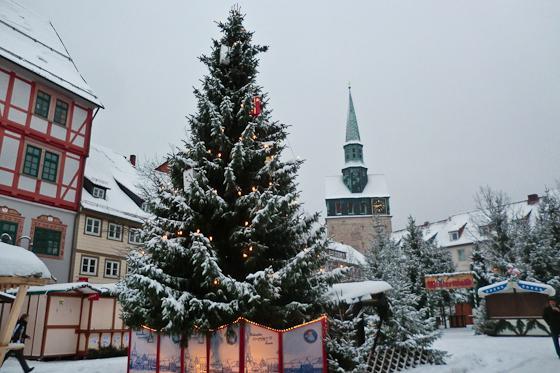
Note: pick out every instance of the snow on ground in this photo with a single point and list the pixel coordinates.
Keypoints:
(111, 365)
(469, 353)
(483, 354)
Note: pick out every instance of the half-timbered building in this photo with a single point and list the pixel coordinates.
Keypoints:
(46, 114)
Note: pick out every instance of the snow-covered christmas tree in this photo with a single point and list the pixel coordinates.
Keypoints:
(228, 236)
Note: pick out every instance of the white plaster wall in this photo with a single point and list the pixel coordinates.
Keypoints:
(21, 94)
(4, 80)
(8, 152)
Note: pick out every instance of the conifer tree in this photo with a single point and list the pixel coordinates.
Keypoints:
(228, 236)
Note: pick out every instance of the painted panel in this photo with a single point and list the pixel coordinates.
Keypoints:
(195, 355)
(64, 311)
(261, 349)
(303, 349)
(169, 354)
(48, 189)
(224, 350)
(58, 131)
(93, 342)
(17, 116)
(60, 342)
(79, 141)
(102, 315)
(21, 94)
(6, 178)
(27, 183)
(39, 124)
(105, 339)
(71, 166)
(117, 340)
(4, 80)
(143, 352)
(8, 153)
(78, 117)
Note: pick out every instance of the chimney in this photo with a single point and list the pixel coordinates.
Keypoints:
(133, 159)
(532, 199)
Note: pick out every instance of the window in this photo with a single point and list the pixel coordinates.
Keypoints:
(454, 236)
(93, 226)
(461, 255)
(98, 192)
(89, 266)
(46, 241)
(112, 268)
(338, 208)
(114, 232)
(134, 236)
(60, 112)
(8, 232)
(42, 104)
(50, 166)
(32, 160)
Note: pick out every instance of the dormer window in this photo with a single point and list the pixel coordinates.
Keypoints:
(454, 235)
(98, 192)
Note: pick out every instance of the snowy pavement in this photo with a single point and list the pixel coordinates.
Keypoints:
(483, 354)
(469, 354)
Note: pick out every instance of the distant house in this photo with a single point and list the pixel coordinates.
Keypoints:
(110, 216)
(46, 115)
(459, 233)
(345, 256)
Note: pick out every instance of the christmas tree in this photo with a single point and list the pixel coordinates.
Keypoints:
(228, 236)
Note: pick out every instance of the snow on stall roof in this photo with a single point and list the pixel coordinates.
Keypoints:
(81, 287)
(467, 224)
(32, 42)
(15, 261)
(519, 286)
(353, 256)
(375, 187)
(351, 292)
(105, 167)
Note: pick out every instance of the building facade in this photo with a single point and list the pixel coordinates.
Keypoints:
(357, 201)
(46, 114)
(111, 214)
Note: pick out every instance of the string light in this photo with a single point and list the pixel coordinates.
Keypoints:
(270, 183)
(216, 281)
(246, 223)
(198, 231)
(238, 192)
(164, 237)
(251, 248)
(254, 189)
(245, 255)
(254, 137)
(210, 238)
(219, 155)
(180, 233)
(241, 318)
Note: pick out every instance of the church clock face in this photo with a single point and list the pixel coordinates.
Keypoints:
(378, 206)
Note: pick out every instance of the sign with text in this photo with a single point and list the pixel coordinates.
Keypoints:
(444, 281)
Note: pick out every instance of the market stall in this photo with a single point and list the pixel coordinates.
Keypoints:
(19, 269)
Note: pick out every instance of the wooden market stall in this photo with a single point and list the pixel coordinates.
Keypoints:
(71, 319)
(517, 305)
(19, 269)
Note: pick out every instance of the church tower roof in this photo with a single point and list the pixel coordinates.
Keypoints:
(352, 131)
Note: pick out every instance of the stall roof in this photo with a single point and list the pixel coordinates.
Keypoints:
(519, 286)
(70, 287)
(351, 292)
(6, 298)
(20, 266)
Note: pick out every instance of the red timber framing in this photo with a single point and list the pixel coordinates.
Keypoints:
(20, 127)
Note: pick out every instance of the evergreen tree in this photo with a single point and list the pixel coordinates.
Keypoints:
(228, 237)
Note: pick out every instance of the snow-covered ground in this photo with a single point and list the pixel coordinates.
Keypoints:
(482, 354)
(469, 354)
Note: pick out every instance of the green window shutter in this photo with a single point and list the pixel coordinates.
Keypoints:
(50, 166)
(60, 112)
(8, 228)
(46, 241)
(32, 160)
(42, 104)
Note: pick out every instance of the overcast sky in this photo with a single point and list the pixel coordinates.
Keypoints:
(450, 95)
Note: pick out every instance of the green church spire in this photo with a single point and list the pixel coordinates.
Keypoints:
(352, 131)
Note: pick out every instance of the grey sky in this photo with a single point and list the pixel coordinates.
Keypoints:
(450, 95)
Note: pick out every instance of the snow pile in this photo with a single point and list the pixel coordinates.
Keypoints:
(483, 354)
(112, 365)
(351, 292)
(15, 261)
(31, 41)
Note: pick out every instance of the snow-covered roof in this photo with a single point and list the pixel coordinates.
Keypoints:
(351, 292)
(467, 224)
(352, 255)
(17, 262)
(105, 168)
(519, 286)
(375, 187)
(70, 287)
(32, 42)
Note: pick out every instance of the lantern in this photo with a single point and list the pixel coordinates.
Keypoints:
(256, 109)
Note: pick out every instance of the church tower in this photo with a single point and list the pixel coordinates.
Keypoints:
(357, 202)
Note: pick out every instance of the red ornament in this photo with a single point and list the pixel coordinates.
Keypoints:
(256, 109)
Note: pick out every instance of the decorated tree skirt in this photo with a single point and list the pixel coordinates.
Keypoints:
(243, 346)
